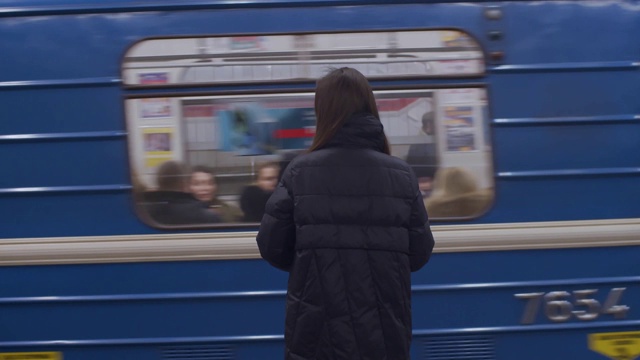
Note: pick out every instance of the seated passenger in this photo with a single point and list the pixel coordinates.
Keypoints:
(203, 186)
(254, 197)
(171, 204)
(456, 194)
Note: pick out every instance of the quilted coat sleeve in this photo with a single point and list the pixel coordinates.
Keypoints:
(277, 235)
(420, 237)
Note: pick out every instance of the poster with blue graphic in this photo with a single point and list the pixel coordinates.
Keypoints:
(251, 129)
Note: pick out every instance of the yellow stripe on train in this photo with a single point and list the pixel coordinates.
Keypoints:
(31, 356)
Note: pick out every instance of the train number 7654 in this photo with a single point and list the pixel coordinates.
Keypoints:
(561, 306)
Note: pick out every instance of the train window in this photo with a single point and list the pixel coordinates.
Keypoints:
(212, 160)
(302, 57)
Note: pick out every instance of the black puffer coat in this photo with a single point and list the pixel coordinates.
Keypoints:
(349, 224)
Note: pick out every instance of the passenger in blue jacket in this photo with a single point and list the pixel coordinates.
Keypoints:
(347, 221)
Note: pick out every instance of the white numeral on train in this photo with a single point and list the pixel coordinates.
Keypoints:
(558, 306)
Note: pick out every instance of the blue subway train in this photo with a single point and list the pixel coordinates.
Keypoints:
(521, 120)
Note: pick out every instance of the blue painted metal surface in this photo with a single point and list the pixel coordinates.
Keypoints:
(565, 144)
(63, 136)
(567, 67)
(37, 8)
(230, 314)
(568, 173)
(606, 119)
(67, 189)
(60, 83)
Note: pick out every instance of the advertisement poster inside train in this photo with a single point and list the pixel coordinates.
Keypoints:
(246, 43)
(155, 78)
(459, 128)
(156, 108)
(251, 129)
(158, 147)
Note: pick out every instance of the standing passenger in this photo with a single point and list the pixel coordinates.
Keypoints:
(423, 157)
(347, 221)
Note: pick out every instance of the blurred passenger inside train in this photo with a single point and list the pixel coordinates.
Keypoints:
(255, 196)
(172, 204)
(423, 157)
(456, 194)
(360, 228)
(204, 187)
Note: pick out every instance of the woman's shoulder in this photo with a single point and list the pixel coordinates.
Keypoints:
(346, 156)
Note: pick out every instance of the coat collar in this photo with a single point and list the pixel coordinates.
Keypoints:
(362, 130)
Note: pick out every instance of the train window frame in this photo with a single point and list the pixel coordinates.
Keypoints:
(481, 73)
(400, 92)
(264, 89)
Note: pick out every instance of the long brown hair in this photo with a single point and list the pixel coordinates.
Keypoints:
(339, 95)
